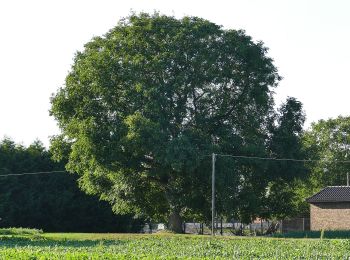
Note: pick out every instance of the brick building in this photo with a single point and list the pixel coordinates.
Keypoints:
(330, 209)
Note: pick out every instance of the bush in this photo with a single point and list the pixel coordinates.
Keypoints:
(330, 234)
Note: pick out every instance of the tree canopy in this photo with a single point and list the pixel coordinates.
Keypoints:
(328, 141)
(286, 178)
(50, 201)
(144, 105)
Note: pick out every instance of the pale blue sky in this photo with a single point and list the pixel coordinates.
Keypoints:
(308, 39)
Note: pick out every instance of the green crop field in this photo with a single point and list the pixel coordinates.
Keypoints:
(167, 246)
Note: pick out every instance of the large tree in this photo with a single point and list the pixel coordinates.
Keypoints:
(146, 103)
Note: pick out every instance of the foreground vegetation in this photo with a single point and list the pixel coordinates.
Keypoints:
(165, 246)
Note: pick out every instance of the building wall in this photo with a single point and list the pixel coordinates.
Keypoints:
(330, 216)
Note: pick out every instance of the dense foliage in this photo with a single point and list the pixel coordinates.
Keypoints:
(286, 178)
(145, 104)
(50, 201)
(329, 141)
(90, 246)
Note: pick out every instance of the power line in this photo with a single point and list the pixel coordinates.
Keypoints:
(222, 155)
(277, 159)
(28, 173)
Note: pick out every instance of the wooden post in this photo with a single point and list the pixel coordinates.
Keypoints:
(221, 230)
(213, 196)
(282, 226)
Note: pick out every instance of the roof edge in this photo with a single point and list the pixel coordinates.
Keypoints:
(310, 198)
(313, 199)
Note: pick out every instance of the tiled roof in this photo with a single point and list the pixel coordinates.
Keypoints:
(331, 194)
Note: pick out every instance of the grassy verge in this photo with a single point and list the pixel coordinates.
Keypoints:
(166, 246)
(20, 231)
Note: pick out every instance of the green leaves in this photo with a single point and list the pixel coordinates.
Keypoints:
(50, 201)
(328, 141)
(286, 179)
(148, 98)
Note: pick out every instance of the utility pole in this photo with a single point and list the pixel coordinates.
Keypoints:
(347, 173)
(213, 196)
(346, 157)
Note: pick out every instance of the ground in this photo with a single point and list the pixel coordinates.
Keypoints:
(165, 246)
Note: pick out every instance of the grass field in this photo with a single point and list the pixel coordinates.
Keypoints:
(165, 246)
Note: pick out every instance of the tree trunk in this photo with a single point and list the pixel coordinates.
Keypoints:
(175, 222)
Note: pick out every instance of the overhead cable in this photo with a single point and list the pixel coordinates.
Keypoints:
(28, 173)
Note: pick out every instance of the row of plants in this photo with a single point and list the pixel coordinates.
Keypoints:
(168, 246)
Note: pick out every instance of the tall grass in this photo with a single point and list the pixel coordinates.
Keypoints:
(20, 231)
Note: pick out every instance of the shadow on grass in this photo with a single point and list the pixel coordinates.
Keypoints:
(38, 241)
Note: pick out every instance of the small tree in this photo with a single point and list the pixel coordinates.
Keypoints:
(284, 196)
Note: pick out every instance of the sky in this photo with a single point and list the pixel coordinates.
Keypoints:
(309, 41)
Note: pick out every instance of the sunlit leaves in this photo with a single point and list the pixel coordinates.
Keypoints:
(145, 102)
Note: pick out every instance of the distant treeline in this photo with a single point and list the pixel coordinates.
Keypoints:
(50, 201)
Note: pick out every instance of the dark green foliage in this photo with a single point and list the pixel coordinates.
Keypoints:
(285, 197)
(51, 201)
(286, 141)
(327, 234)
(144, 105)
(267, 188)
